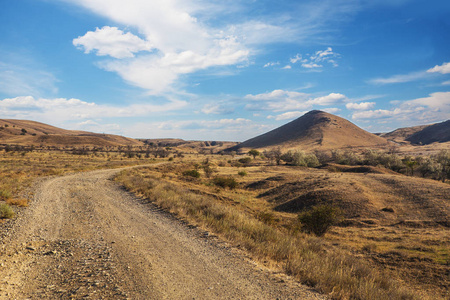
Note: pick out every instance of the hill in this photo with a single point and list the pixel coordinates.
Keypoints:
(439, 132)
(401, 134)
(316, 129)
(24, 132)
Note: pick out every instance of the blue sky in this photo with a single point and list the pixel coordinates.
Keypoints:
(223, 70)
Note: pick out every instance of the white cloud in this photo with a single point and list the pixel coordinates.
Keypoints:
(315, 60)
(17, 79)
(113, 42)
(287, 67)
(281, 100)
(446, 82)
(288, 115)
(434, 108)
(238, 129)
(400, 78)
(332, 110)
(360, 106)
(271, 64)
(298, 58)
(328, 100)
(413, 76)
(63, 110)
(443, 69)
(181, 43)
(217, 109)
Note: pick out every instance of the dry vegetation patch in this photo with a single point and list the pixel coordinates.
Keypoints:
(348, 262)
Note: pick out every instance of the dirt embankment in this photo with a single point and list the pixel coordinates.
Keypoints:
(83, 237)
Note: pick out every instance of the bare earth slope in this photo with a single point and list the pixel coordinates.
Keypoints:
(316, 129)
(24, 132)
(83, 237)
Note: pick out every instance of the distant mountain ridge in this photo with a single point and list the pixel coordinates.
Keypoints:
(420, 135)
(439, 132)
(24, 132)
(316, 129)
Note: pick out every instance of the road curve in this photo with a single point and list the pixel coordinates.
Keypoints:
(84, 237)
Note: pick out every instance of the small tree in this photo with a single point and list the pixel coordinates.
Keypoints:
(443, 158)
(319, 219)
(410, 163)
(254, 153)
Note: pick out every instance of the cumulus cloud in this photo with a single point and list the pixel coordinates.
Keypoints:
(180, 43)
(434, 108)
(113, 42)
(360, 106)
(443, 69)
(288, 115)
(281, 100)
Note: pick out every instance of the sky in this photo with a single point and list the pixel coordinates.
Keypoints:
(223, 70)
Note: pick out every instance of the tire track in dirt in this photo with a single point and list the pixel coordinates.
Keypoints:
(84, 237)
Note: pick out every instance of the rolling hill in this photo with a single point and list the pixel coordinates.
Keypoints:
(420, 135)
(315, 130)
(24, 132)
(439, 132)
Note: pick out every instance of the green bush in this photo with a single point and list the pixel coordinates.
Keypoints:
(225, 182)
(319, 219)
(242, 173)
(6, 211)
(245, 160)
(192, 173)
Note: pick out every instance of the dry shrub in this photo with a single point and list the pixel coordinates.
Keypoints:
(5, 195)
(18, 202)
(6, 212)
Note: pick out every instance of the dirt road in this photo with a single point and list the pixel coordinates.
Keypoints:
(83, 237)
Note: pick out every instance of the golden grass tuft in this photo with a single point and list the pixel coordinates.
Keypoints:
(17, 202)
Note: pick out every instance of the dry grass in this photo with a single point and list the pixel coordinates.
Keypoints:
(19, 169)
(314, 261)
(17, 202)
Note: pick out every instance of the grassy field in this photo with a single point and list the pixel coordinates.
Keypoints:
(18, 169)
(352, 261)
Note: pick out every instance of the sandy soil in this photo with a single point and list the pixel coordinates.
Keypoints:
(83, 237)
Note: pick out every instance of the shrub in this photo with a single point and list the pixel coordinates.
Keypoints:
(300, 158)
(242, 173)
(6, 211)
(5, 195)
(245, 160)
(254, 153)
(345, 158)
(319, 219)
(208, 171)
(225, 182)
(192, 173)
